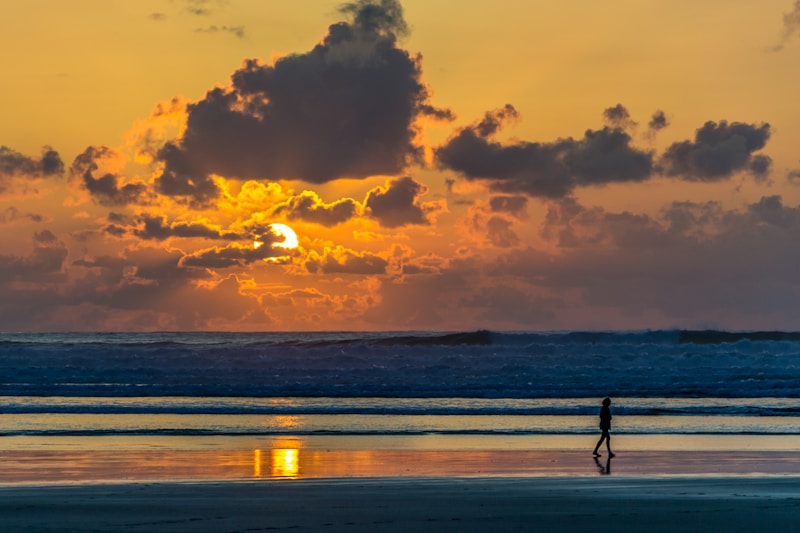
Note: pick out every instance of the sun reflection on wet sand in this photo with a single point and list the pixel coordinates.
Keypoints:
(256, 463)
(52, 466)
(94, 459)
(285, 462)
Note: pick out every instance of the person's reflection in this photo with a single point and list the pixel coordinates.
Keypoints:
(604, 470)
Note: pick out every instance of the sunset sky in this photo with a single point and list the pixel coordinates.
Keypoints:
(445, 164)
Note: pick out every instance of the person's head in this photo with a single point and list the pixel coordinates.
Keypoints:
(607, 401)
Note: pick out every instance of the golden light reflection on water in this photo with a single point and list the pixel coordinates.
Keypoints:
(295, 461)
(287, 421)
(256, 463)
(285, 462)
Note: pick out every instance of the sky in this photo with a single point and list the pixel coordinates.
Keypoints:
(445, 165)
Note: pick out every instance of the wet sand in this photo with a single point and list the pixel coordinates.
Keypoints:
(383, 485)
(411, 504)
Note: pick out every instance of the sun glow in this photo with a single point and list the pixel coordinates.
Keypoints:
(281, 230)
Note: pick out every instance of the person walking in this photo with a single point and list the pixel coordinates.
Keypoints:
(605, 426)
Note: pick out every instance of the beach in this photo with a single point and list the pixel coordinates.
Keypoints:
(360, 483)
(411, 504)
(386, 432)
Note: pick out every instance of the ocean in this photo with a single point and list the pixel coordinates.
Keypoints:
(398, 383)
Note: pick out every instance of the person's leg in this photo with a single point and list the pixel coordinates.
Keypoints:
(600, 443)
(608, 444)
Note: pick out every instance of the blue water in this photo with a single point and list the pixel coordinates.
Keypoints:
(398, 383)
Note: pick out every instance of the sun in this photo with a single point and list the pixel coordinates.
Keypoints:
(281, 230)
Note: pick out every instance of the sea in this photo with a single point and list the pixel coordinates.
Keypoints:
(398, 383)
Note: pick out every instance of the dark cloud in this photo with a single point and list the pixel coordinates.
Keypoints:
(770, 211)
(309, 207)
(230, 256)
(117, 217)
(14, 164)
(515, 206)
(692, 219)
(700, 262)
(549, 170)
(494, 120)
(793, 177)
(12, 215)
(658, 121)
(572, 225)
(791, 25)
(236, 254)
(342, 261)
(760, 165)
(156, 227)
(115, 230)
(397, 203)
(500, 232)
(180, 177)
(237, 31)
(345, 109)
(718, 151)
(618, 117)
(46, 259)
(377, 16)
(106, 189)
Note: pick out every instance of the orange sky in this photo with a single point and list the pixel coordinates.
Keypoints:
(445, 165)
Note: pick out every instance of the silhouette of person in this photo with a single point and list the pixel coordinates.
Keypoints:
(605, 426)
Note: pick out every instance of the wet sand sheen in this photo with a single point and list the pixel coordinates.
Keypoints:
(77, 466)
(426, 483)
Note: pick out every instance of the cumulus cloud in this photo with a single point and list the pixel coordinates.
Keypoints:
(618, 117)
(343, 261)
(156, 227)
(549, 170)
(233, 255)
(658, 121)
(718, 151)
(572, 225)
(515, 206)
(500, 232)
(554, 170)
(238, 253)
(109, 188)
(180, 177)
(397, 203)
(309, 207)
(48, 256)
(13, 165)
(493, 222)
(735, 265)
(345, 109)
(770, 211)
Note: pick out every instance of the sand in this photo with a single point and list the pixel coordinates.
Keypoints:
(380, 485)
(411, 504)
